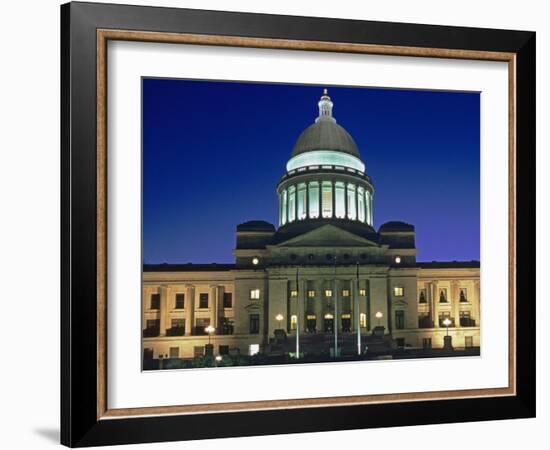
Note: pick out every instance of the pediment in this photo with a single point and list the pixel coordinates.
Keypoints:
(327, 236)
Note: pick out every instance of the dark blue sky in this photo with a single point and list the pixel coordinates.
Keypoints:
(213, 153)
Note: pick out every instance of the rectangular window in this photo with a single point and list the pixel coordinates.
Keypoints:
(422, 296)
(180, 301)
(468, 341)
(327, 198)
(294, 293)
(363, 292)
(311, 323)
(361, 204)
(254, 294)
(152, 328)
(174, 352)
(311, 294)
(198, 351)
(227, 300)
(225, 326)
(398, 291)
(223, 350)
(293, 322)
(424, 320)
(443, 296)
(203, 301)
(177, 328)
(254, 323)
(340, 193)
(463, 295)
(400, 319)
(291, 204)
(314, 199)
(201, 325)
(328, 292)
(363, 320)
(368, 207)
(284, 208)
(427, 343)
(466, 319)
(443, 316)
(302, 201)
(155, 301)
(400, 342)
(253, 349)
(352, 210)
(345, 292)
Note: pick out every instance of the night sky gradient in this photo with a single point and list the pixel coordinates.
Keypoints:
(213, 153)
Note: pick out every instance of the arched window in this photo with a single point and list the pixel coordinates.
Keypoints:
(327, 198)
(291, 203)
(314, 199)
(361, 204)
(339, 192)
(352, 209)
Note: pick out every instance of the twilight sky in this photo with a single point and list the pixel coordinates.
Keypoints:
(213, 153)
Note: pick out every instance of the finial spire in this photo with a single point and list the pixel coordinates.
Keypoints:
(325, 107)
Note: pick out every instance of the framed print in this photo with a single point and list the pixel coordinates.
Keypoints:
(277, 224)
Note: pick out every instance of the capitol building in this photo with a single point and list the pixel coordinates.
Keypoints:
(323, 281)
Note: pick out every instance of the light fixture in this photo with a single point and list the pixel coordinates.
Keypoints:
(397, 259)
(379, 315)
(218, 358)
(255, 261)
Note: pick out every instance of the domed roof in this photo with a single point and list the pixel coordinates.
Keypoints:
(325, 135)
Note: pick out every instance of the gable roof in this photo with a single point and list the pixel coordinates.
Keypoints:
(327, 235)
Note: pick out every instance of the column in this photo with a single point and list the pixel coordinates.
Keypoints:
(303, 307)
(307, 200)
(319, 310)
(164, 313)
(338, 306)
(213, 304)
(320, 215)
(455, 298)
(221, 290)
(190, 309)
(476, 303)
(346, 206)
(333, 187)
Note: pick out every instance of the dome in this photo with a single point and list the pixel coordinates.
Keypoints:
(325, 135)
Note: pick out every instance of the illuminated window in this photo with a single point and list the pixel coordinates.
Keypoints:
(283, 212)
(327, 199)
(328, 292)
(293, 322)
(361, 204)
(311, 323)
(253, 349)
(368, 203)
(311, 294)
(345, 292)
(254, 294)
(398, 291)
(339, 192)
(363, 320)
(302, 201)
(294, 293)
(352, 210)
(363, 292)
(291, 204)
(314, 200)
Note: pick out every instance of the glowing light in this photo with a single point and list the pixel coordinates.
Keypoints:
(218, 358)
(397, 260)
(253, 349)
(255, 261)
(379, 315)
(325, 158)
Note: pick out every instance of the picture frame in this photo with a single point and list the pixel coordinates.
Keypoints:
(86, 28)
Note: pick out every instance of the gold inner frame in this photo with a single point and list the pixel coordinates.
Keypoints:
(104, 35)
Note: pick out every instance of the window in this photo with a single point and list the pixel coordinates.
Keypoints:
(463, 296)
(201, 325)
(311, 323)
(177, 328)
(291, 203)
(361, 204)
(443, 296)
(180, 301)
(203, 301)
(227, 300)
(424, 320)
(293, 322)
(254, 294)
(363, 292)
(225, 326)
(155, 301)
(368, 204)
(327, 198)
(302, 212)
(422, 296)
(283, 212)
(466, 319)
(400, 342)
(340, 197)
(223, 350)
(254, 323)
(152, 328)
(400, 319)
(345, 292)
(311, 294)
(352, 210)
(174, 352)
(468, 341)
(328, 292)
(346, 323)
(363, 320)
(294, 293)
(253, 349)
(398, 291)
(314, 200)
(198, 351)
(446, 315)
(427, 343)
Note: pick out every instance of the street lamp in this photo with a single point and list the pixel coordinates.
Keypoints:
(210, 330)
(379, 315)
(447, 322)
(279, 318)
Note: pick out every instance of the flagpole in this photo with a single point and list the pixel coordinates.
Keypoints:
(297, 317)
(335, 312)
(358, 312)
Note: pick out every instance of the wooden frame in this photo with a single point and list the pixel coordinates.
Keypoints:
(86, 418)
